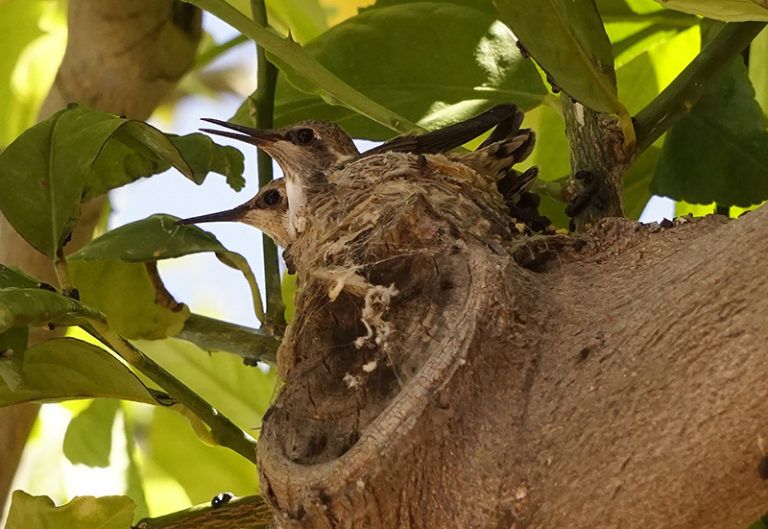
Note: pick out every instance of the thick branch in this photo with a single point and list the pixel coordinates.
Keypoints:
(248, 511)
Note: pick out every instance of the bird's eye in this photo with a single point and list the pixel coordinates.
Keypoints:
(304, 136)
(272, 198)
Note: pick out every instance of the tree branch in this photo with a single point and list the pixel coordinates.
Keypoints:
(211, 334)
(688, 87)
(248, 511)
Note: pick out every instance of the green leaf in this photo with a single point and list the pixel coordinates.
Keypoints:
(80, 153)
(204, 156)
(305, 19)
(48, 170)
(131, 296)
(569, 42)
(35, 306)
(465, 63)
(288, 291)
(303, 69)
(33, 38)
(159, 237)
(637, 182)
(758, 68)
(718, 152)
(223, 469)
(133, 477)
(725, 10)
(242, 393)
(636, 26)
(88, 439)
(84, 512)
(12, 277)
(65, 369)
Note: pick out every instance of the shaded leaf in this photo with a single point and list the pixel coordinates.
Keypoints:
(718, 152)
(79, 153)
(12, 277)
(204, 156)
(131, 296)
(84, 512)
(725, 10)
(88, 439)
(133, 478)
(35, 306)
(467, 62)
(569, 41)
(159, 237)
(66, 368)
(223, 469)
(242, 393)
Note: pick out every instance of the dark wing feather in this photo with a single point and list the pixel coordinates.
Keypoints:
(452, 136)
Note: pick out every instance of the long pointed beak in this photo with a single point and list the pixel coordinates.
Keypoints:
(250, 135)
(229, 215)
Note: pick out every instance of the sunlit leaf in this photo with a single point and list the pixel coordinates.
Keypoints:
(758, 68)
(32, 37)
(64, 369)
(131, 296)
(223, 469)
(306, 19)
(464, 64)
(726, 10)
(242, 393)
(569, 42)
(88, 439)
(84, 512)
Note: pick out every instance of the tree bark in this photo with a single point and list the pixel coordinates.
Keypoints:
(121, 57)
(431, 381)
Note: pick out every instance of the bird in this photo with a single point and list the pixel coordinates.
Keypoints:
(267, 211)
(309, 151)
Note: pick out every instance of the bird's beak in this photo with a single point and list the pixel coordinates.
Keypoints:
(258, 137)
(230, 215)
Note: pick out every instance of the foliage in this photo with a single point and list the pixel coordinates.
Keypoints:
(379, 72)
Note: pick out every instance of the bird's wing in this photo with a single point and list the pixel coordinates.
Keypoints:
(506, 116)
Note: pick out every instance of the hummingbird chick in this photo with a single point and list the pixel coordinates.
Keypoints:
(267, 211)
(310, 152)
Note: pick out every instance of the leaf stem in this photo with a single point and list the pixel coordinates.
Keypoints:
(223, 431)
(264, 106)
(688, 87)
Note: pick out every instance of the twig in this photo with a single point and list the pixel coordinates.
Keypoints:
(264, 103)
(688, 87)
(223, 431)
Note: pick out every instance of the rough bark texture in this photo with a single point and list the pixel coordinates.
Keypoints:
(598, 162)
(121, 57)
(620, 384)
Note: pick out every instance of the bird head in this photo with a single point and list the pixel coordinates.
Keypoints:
(303, 151)
(267, 211)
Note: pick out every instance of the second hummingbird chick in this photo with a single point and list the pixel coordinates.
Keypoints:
(267, 211)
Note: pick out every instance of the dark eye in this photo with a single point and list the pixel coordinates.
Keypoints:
(304, 136)
(272, 198)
